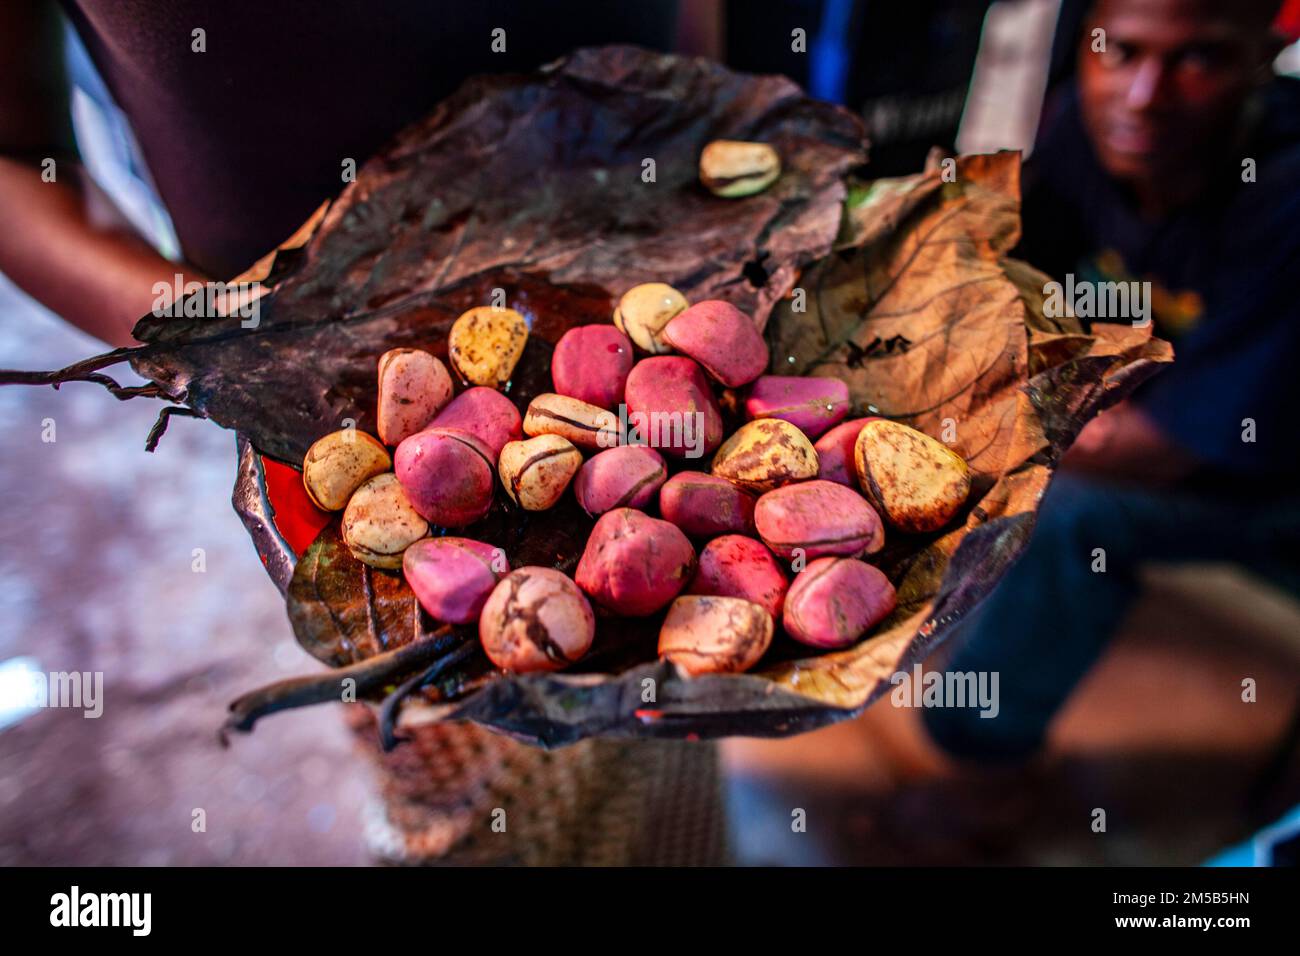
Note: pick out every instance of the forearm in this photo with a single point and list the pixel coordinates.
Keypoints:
(92, 270)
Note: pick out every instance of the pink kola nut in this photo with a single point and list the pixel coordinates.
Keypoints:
(835, 452)
(486, 414)
(413, 386)
(736, 566)
(834, 601)
(536, 619)
(724, 340)
(591, 363)
(819, 517)
(452, 577)
(447, 474)
(663, 390)
(809, 402)
(634, 564)
(628, 476)
(705, 505)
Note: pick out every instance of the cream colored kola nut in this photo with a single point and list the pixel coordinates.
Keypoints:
(536, 472)
(339, 463)
(379, 523)
(485, 345)
(536, 619)
(587, 426)
(916, 483)
(643, 312)
(731, 168)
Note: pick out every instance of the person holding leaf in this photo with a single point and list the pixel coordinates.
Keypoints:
(1171, 169)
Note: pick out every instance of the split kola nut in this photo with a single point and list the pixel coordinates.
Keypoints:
(644, 311)
(733, 169)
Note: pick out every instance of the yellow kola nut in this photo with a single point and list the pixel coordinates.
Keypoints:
(485, 345)
(916, 482)
(765, 454)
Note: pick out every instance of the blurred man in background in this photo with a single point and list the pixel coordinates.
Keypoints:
(1172, 162)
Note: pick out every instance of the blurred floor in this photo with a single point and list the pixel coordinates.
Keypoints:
(97, 574)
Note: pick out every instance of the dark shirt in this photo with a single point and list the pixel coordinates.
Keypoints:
(246, 139)
(905, 67)
(1223, 271)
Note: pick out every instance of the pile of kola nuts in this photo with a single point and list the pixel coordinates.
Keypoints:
(771, 498)
(796, 486)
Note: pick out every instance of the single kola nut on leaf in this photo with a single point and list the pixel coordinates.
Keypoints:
(731, 168)
(736, 566)
(591, 363)
(486, 414)
(835, 452)
(715, 635)
(536, 619)
(485, 345)
(379, 523)
(834, 601)
(703, 505)
(339, 463)
(810, 402)
(448, 474)
(634, 564)
(766, 454)
(643, 312)
(724, 340)
(587, 426)
(536, 472)
(628, 476)
(671, 407)
(917, 483)
(817, 518)
(452, 577)
(413, 386)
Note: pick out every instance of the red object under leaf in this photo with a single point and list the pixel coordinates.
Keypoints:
(1288, 20)
(296, 518)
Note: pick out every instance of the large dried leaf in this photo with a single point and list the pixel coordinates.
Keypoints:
(533, 185)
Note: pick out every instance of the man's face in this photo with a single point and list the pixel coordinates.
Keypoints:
(1170, 86)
